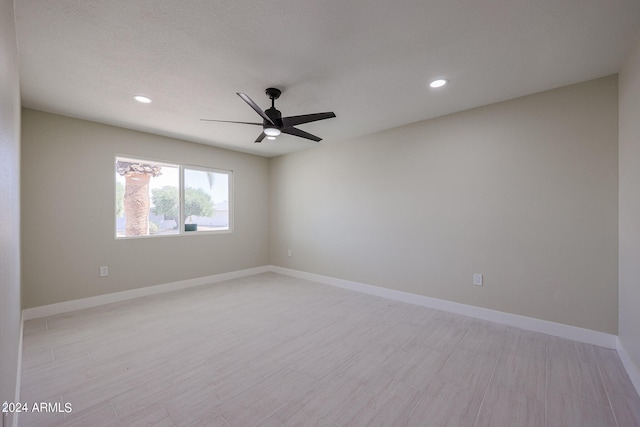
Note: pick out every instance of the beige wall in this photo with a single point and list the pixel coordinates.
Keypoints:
(524, 192)
(10, 203)
(68, 212)
(630, 206)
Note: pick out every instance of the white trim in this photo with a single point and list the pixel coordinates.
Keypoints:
(543, 326)
(19, 370)
(632, 370)
(523, 322)
(80, 304)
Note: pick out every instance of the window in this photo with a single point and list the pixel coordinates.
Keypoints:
(206, 200)
(156, 198)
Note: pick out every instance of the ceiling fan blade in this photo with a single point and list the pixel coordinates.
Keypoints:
(260, 138)
(305, 118)
(230, 121)
(301, 134)
(255, 107)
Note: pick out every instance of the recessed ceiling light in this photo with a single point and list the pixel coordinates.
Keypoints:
(143, 99)
(271, 138)
(438, 83)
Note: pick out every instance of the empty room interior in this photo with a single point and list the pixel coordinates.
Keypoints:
(338, 213)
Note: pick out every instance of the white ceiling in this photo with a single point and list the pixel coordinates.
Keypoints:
(369, 61)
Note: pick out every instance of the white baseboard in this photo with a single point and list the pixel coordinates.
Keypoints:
(80, 304)
(19, 370)
(550, 328)
(543, 326)
(632, 370)
(523, 322)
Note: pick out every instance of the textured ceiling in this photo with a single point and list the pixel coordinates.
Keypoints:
(369, 61)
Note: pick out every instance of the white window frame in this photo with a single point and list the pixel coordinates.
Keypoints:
(181, 195)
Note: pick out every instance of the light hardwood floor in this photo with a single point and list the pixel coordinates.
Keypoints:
(270, 350)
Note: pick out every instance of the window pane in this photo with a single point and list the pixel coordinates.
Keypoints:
(206, 200)
(147, 198)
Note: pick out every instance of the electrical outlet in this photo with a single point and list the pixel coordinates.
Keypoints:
(104, 271)
(477, 279)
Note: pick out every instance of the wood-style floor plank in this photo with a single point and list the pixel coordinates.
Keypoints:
(274, 351)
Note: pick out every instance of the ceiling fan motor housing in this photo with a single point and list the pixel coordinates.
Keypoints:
(275, 116)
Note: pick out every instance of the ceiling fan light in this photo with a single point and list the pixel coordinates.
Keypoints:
(272, 131)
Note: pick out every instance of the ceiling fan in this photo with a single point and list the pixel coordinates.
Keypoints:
(273, 123)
